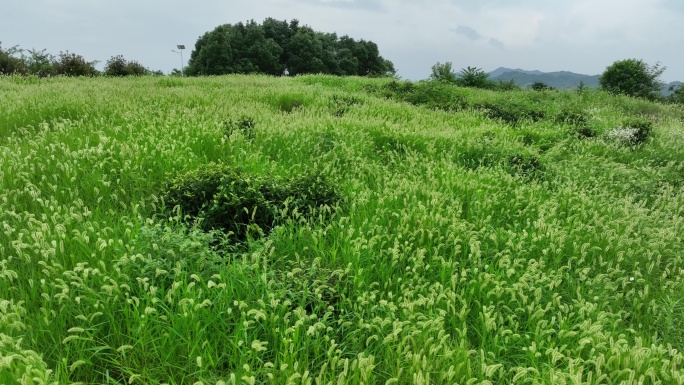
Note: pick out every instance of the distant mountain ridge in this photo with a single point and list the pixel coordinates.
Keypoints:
(561, 80)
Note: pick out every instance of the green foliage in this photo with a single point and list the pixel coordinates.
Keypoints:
(288, 103)
(573, 117)
(474, 77)
(71, 64)
(9, 63)
(507, 85)
(39, 63)
(510, 112)
(43, 64)
(274, 47)
(243, 125)
(342, 104)
(677, 95)
(525, 165)
(118, 66)
(632, 131)
(443, 73)
(469, 250)
(539, 86)
(581, 88)
(222, 198)
(175, 249)
(633, 77)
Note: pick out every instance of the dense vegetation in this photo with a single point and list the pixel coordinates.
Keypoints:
(276, 46)
(251, 229)
(633, 77)
(32, 62)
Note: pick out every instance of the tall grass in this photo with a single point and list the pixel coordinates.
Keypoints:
(467, 248)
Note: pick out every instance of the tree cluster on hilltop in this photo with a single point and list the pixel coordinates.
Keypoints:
(277, 47)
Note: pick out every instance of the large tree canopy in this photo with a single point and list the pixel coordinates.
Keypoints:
(634, 78)
(275, 46)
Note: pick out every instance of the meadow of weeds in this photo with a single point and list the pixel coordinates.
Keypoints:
(320, 230)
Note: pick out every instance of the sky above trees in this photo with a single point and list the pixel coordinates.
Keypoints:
(583, 36)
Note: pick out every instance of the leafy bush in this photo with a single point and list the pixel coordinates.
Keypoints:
(244, 125)
(9, 63)
(474, 77)
(119, 66)
(540, 86)
(437, 96)
(71, 64)
(572, 117)
(443, 73)
(219, 197)
(633, 77)
(511, 113)
(39, 63)
(342, 104)
(525, 165)
(287, 103)
(677, 95)
(166, 252)
(632, 132)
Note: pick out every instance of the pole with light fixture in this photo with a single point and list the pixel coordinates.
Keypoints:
(180, 47)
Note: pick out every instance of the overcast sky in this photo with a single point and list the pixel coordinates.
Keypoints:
(582, 36)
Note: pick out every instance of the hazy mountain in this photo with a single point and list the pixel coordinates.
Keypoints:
(503, 70)
(560, 79)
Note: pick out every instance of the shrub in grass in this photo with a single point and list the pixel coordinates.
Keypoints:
(526, 165)
(632, 132)
(243, 125)
(572, 117)
(168, 253)
(509, 113)
(584, 132)
(288, 103)
(310, 286)
(436, 95)
(341, 104)
(219, 197)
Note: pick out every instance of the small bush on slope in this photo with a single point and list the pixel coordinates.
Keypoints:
(220, 197)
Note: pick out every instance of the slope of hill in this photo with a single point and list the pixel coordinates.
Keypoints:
(252, 229)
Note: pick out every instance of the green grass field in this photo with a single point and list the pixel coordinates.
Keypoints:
(466, 236)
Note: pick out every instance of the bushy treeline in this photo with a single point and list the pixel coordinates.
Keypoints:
(631, 77)
(17, 61)
(278, 47)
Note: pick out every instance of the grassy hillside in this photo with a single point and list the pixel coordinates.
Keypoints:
(326, 230)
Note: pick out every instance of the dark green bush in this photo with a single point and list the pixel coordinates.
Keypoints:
(243, 125)
(341, 104)
(572, 117)
(510, 113)
(642, 127)
(118, 66)
(71, 64)
(631, 132)
(525, 165)
(436, 95)
(584, 132)
(9, 63)
(219, 197)
(541, 86)
(289, 103)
